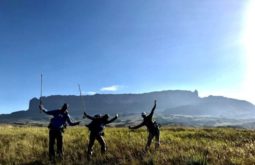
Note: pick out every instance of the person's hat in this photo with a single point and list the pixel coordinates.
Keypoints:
(106, 116)
(143, 114)
(65, 106)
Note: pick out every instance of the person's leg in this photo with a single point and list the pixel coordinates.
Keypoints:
(150, 137)
(157, 137)
(101, 141)
(59, 144)
(90, 146)
(52, 137)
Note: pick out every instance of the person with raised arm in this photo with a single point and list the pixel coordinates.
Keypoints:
(152, 127)
(96, 128)
(56, 127)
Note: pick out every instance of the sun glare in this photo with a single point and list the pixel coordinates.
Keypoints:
(248, 42)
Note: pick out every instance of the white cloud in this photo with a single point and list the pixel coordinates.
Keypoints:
(112, 88)
(91, 93)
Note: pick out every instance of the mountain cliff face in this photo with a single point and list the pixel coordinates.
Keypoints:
(118, 103)
(172, 102)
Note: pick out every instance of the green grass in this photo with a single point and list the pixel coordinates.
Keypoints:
(179, 145)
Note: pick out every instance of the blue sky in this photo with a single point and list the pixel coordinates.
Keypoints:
(113, 46)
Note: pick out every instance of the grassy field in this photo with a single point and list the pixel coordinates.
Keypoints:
(179, 145)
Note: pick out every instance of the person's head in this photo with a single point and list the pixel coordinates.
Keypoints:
(143, 114)
(106, 116)
(64, 108)
(97, 116)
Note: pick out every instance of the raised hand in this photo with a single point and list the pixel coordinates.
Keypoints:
(41, 107)
(84, 115)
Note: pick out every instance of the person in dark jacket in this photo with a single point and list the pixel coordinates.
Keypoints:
(56, 128)
(96, 128)
(152, 127)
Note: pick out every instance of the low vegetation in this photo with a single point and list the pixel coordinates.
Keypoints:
(179, 145)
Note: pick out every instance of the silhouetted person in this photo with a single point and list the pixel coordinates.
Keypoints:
(152, 128)
(96, 127)
(56, 128)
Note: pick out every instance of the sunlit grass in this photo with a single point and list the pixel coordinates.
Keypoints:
(29, 145)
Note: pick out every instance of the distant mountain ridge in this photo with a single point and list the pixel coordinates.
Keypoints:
(170, 102)
(216, 106)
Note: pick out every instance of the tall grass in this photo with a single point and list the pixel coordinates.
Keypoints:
(29, 145)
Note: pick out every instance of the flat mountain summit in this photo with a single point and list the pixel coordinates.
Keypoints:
(170, 102)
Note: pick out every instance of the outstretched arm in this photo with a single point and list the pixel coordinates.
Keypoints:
(42, 108)
(153, 109)
(88, 116)
(109, 121)
(70, 121)
(136, 127)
